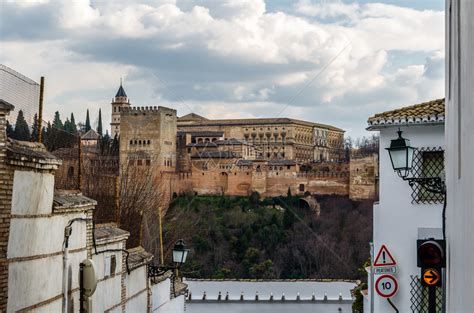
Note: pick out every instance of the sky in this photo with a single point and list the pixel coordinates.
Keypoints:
(333, 62)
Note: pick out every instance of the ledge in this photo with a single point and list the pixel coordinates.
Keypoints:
(66, 201)
(30, 155)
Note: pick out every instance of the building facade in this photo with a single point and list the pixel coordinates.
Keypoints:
(119, 102)
(46, 233)
(274, 138)
(459, 147)
(407, 213)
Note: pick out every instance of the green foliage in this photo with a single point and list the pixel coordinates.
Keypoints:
(244, 237)
(88, 122)
(358, 304)
(34, 129)
(22, 130)
(57, 123)
(99, 124)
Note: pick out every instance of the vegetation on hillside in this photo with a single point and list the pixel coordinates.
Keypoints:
(245, 237)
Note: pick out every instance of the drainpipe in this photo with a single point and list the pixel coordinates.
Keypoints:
(67, 234)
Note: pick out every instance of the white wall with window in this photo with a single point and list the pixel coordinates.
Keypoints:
(404, 214)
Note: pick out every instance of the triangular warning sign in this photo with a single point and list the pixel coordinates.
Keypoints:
(384, 258)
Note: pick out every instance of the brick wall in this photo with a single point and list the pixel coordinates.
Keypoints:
(6, 185)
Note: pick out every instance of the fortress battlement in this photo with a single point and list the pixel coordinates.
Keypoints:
(147, 109)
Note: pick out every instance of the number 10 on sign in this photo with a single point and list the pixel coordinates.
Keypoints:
(386, 286)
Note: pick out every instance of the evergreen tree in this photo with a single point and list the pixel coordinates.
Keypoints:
(57, 123)
(35, 129)
(73, 124)
(67, 126)
(88, 122)
(288, 218)
(22, 130)
(99, 125)
(9, 130)
(44, 135)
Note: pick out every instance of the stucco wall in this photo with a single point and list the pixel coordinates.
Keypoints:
(396, 219)
(460, 149)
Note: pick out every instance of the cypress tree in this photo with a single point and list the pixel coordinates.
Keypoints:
(35, 129)
(22, 130)
(9, 130)
(57, 123)
(67, 125)
(88, 122)
(99, 125)
(73, 124)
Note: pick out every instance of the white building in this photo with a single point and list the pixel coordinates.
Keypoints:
(404, 213)
(269, 296)
(460, 151)
(39, 267)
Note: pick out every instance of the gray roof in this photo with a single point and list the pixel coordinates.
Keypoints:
(71, 200)
(138, 257)
(281, 162)
(121, 92)
(109, 232)
(5, 105)
(202, 133)
(244, 162)
(90, 135)
(216, 154)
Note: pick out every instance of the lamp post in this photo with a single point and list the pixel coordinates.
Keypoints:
(180, 253)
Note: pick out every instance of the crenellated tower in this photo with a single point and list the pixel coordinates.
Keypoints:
(119, 102)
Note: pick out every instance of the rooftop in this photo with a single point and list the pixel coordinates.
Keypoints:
(431, 112)
(331, 289)
(71, 200)
(105, 233)
(250, 121)
(138, 256)
(121, 92)
(90, 135)
(5, 105)
(216, 154)
(30, 154)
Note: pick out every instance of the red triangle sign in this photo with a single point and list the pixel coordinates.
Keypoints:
(384, 257)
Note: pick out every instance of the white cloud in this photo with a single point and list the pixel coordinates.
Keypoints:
(234, 51)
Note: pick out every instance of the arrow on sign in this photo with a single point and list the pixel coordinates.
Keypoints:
(431, 277)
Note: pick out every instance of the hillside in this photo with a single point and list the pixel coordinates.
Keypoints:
(244, 237)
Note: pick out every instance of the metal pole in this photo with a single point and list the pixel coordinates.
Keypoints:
(79, 167)
(372, 280)
(40, 110)
(81, 287)
(162, 257)
(431, 299)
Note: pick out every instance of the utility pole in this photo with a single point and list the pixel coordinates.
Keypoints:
(40, 111)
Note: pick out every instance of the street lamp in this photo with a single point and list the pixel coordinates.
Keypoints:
(180, 253)
(401, 155)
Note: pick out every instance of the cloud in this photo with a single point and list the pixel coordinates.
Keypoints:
(230, 53)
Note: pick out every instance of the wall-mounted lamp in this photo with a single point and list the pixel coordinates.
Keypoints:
(401, 155)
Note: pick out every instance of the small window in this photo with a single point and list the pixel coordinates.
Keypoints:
(301, 187)
(70, 172)
(148, 162)
(139, 162)
(131, 142)
(131, 162)
(113, 264)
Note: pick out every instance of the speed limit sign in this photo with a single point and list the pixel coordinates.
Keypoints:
(386, 286)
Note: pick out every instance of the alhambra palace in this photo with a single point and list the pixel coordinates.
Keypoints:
(233, 157)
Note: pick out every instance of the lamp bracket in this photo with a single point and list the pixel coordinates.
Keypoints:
(431, 184)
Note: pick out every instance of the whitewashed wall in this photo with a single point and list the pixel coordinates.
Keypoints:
(160, 299)
(460, 151)
(396, 220)
(135, 283)
(31, 281)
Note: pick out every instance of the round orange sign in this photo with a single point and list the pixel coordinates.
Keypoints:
(431, 277)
